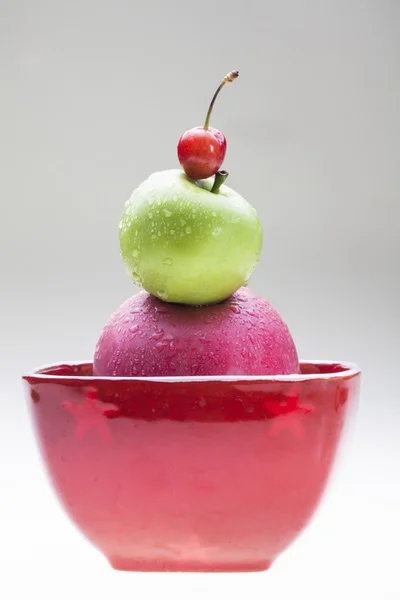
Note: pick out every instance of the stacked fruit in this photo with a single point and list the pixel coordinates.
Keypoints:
(192, 243)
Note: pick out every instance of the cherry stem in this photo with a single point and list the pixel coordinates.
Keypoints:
(228, 78)
(220, 177)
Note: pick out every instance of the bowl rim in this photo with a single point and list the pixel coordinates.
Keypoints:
(347, 370)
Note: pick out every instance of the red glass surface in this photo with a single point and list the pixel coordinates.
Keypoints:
(194, 474)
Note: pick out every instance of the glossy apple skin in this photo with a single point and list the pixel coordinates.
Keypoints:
(201, 152)
(184, 244)
(183, 475)
(147, 337)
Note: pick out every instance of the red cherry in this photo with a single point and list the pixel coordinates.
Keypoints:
(201, 150)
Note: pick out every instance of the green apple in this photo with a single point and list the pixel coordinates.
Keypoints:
(185, 244)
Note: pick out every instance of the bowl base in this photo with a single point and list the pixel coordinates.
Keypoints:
(185, 566)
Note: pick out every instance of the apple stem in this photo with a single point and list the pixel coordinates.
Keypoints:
(228, 78)
(220, 177)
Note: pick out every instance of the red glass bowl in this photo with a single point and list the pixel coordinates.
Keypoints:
(191, 474)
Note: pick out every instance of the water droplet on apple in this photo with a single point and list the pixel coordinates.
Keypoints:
(158, 335)
(135, 253)
(167, 212)
(136, 277)
(167, 261)
(188, 230)
(162, 294)
(216, 231)
(235, 309)
(163, 309)
(161, 345)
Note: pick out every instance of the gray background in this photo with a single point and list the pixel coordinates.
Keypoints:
(94, 96)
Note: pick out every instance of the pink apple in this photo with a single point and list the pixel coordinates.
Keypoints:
(244, 335)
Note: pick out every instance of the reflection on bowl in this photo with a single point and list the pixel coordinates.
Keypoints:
(191, 474)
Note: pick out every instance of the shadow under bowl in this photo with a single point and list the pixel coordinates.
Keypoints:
(191, 473)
